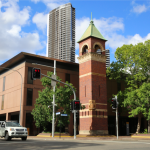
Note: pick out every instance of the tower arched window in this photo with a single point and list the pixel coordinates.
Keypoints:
(98, 49)
(85, 50)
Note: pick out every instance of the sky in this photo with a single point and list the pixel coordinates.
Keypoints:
(23, 24)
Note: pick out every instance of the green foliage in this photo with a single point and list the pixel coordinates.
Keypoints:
(133, 67)
(41, 113)
(145, 131)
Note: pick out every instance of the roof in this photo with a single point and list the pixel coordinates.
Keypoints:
(91, 31)
(32, 58)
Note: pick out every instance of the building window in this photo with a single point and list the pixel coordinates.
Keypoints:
(98, 50)
(2, 104)
(29, 96)
(85, 50)
(29, 80)
(68, 77)
(4, 78)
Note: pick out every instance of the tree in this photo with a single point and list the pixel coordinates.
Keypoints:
(132, 67)
(41, 113)
(144, 98)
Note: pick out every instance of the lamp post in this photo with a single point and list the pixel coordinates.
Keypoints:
(21, 90)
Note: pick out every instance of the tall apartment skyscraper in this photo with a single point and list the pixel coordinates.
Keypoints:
(107, 53)
(61, 33)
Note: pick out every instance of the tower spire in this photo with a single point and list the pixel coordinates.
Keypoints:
(91, 19)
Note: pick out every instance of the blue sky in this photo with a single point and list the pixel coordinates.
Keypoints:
(23, 23)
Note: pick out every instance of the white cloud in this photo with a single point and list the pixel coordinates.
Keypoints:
(81, 25)
(12, 39)
(40, 19)
(35, 1)
(52, 4)
(111, 29)
(76, 60)
(42, 54)
(12, 14)
(14, 31)
(138, 9)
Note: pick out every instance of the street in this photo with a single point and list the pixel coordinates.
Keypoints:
(46, 144)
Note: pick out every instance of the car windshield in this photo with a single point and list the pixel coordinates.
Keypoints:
(13, 124)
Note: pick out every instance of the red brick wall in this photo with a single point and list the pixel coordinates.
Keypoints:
(98, 67)
(92, 66)
(93, 124)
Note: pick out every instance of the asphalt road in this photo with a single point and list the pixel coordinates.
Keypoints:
(48, 144)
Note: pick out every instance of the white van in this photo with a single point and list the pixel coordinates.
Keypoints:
(12, 129)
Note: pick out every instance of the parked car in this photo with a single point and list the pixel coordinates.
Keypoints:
(12, 129)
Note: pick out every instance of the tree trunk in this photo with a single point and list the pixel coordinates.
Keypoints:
(148, 126)
(139, 123)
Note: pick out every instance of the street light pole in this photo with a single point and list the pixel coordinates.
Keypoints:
(21, 91)
(53, 121)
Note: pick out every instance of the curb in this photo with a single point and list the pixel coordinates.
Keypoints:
(94, 136)
(140, 136)
(76, 136)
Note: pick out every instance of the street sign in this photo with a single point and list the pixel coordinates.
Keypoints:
(58, 113)
(64, 114)
(53, 83)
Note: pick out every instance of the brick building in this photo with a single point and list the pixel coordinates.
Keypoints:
(10, 89)
(94, 88)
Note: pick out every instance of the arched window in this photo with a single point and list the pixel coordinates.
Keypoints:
(85, 50)
(98, 50)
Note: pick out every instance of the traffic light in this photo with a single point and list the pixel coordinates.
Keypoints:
(77, 114)
(36, 73)
(71, 106)
(114, 103)
(76, 105)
